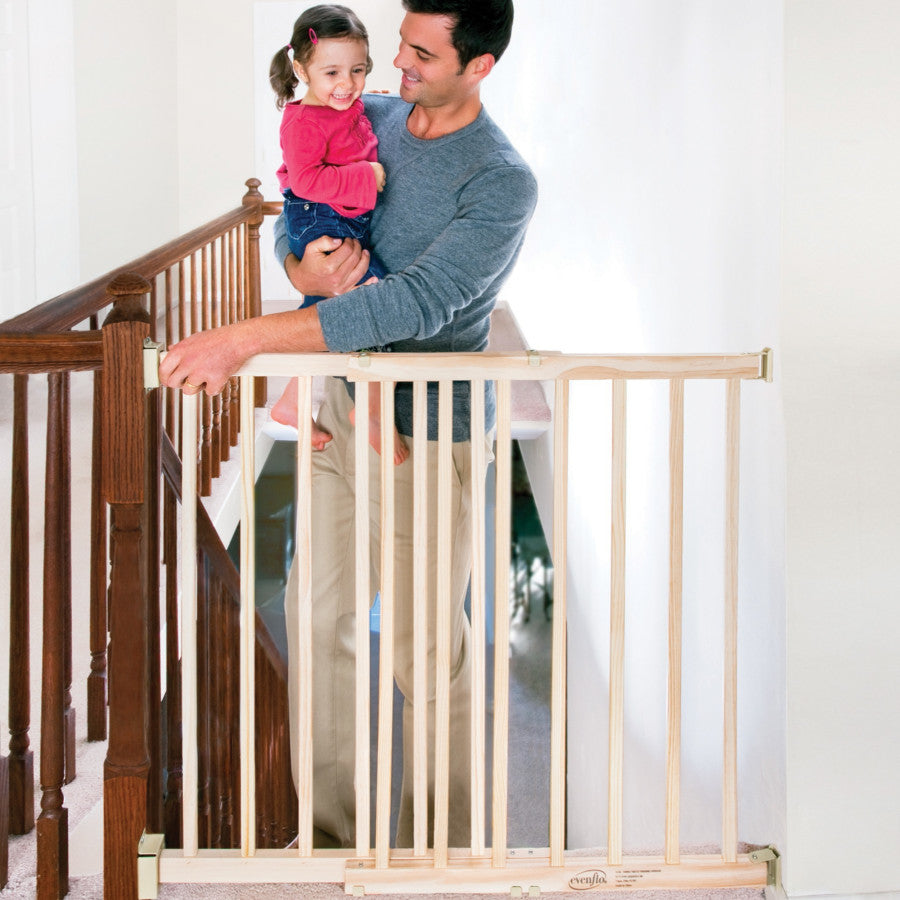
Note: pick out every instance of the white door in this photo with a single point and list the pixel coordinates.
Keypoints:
(17, 286)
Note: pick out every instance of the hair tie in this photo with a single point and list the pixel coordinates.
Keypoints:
(312, 36)
(288, 47)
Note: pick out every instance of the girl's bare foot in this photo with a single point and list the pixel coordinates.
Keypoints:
(401, 451)
(285, 413)
(320, 437)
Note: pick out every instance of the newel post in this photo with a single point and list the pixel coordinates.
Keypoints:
(125, 489)
(254, 200)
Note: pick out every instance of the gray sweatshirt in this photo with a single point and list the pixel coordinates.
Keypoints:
(448, 226)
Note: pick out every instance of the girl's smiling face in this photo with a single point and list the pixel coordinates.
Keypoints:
(335, 74)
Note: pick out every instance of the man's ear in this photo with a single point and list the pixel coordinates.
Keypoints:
(480, 67)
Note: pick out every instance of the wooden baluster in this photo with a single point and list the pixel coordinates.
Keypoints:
(127, 764)
(52, 825)
(206, 464)
(65, 499)
(215, 320)
(225, 318)
(21, 757)
(204, 591)
(236, 316)
(174, 782)
(172, 412)
(254, 199)
(96, 683)
(4, 821)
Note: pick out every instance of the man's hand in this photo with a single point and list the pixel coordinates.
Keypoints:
(330, 266)
(205, 361)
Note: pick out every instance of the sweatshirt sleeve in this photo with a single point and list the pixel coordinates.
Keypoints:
(463, 261)
(304, 146)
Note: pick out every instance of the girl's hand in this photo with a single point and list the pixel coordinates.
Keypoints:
(378, 168)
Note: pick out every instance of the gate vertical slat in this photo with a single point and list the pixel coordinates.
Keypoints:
(442, 629)
(676, 538)
(558, 652)
(503, 506)
(732, 479)
(363, 776)
(303, 561)
(421, 589)
(386, 643)
(617, 625)
(189, 627)
(248, 622)
(478, 616)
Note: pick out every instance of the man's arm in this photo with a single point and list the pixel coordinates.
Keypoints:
(207, 359)
(465, 260)
(329, 266)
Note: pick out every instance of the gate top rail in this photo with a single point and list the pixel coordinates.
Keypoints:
(529, 366)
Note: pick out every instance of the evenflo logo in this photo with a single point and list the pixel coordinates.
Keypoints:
(588, 879)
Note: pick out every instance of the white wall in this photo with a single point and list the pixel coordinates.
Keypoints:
(840, 338)
(126, 95)
(655, 131)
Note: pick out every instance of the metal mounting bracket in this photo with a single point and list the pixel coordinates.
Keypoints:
(151, 363)
(534, 358)
(772, 858)
(150, 848)
(766, 363)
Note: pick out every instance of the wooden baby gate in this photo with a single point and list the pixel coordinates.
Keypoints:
(373, 866)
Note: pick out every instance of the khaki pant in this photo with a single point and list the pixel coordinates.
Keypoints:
(333, 598)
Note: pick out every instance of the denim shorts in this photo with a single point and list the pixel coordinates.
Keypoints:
(305, 221)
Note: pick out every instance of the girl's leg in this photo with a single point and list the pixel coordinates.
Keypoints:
(285, 412)
(401, 451)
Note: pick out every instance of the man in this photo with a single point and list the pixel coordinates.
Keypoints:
(449, 227)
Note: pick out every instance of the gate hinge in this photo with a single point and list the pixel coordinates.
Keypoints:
(150, 847)
(771, 857)
(534, 358)
(151, 363)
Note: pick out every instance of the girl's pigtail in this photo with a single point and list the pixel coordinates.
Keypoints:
(282, 77)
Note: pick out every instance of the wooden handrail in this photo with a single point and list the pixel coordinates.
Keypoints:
(69, 309)
(74, 351)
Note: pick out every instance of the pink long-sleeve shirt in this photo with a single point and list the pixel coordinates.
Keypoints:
(326, 156)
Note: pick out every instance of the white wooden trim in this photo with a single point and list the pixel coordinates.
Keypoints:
(303, 561)
(503, 506)
(617, 626)
(558, 653)
(189, 811)
(363, 604)
(248, 619)
(676, 539)
(386, 643)
(422, 590)
(493, 366)
(442, 627)
(479, 619)
(732, 510)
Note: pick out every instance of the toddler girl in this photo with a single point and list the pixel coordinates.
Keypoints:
(330, 176)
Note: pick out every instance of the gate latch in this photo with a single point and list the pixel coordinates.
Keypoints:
(151, 363)
(150, 848)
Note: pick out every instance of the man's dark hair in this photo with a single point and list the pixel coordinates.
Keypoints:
(481, 26)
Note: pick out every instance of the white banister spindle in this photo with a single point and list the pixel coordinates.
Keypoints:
(303, 561)
(732, 479)
(248, 620)
(558, 657)
(617, 626)
(676, 532)
(363, 603)
(479, 617)
(421, 590)
(503, 507)
(189, 810)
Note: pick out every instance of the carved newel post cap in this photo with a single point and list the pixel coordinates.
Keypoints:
(127, 291)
